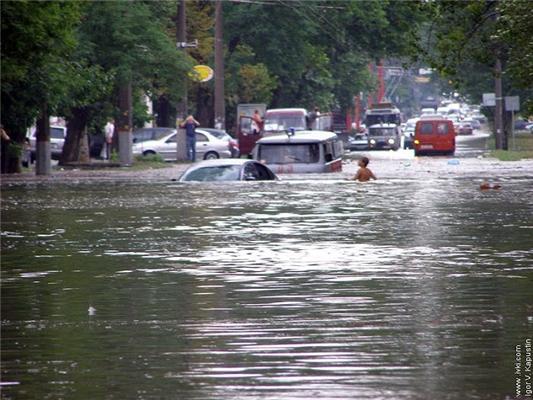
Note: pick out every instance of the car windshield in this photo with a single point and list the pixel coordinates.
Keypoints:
(284, 122)
(289, 153)
(382, 131)
(215, 173)
(56, 133)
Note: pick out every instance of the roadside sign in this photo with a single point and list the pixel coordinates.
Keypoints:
(489, 99)
(512, 103)
(394, 71)
(201, 73)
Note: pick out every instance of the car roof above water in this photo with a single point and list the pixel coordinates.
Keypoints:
(299, 137)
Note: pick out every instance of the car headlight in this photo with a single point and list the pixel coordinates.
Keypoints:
(391, 141)
(372, 141)
(417, 141)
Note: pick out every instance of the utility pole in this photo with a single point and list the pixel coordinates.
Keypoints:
(181, 37)
(43, 165)
(125, 122)
(220, 112)
(498, 111)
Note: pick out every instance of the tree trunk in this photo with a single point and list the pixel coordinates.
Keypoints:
(123, 127)
(43, 165)
(166, 114)
(76, 144)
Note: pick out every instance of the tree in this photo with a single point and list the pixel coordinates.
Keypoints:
(37, 38)
(463, 38)
(120, 42)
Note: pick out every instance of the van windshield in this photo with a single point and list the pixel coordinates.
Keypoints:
(382, 131)
(57, 133)
(284, 153)
(284, 122)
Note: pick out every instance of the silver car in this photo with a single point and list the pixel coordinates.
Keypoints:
(208, 147)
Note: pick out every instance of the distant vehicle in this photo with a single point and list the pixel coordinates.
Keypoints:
(303, 152)
(474, 122)
(431, 116)
(442, 110)
(529, 127)
(520, 124)
(434, 137)
(207, 146)
(57, 140)
(228, 170)
(480, 117)
(358, 142)
(145, 134)
(382, 113)
(281, 120)
(408, 136)
(426, 111)
(233, 144)
(465, 128)
(384, 136)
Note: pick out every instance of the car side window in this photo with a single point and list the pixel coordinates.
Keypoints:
(171, 139)
(250, 172)
(200, 137)
(263, 173)
(328, 152)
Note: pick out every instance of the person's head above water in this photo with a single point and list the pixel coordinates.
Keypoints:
(363, 162)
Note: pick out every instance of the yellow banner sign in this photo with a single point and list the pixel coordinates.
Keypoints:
(201, 73)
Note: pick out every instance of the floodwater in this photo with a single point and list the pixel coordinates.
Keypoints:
(312, 287)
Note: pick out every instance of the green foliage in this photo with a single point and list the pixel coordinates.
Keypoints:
(37, 38)
(152, 158)
(463, 39)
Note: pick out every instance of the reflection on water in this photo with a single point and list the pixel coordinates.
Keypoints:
(413, 289)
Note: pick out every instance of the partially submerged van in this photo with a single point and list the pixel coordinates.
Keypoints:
(302, 152)
(435, 136)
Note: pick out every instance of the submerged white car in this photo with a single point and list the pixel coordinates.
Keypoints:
(208, 146)
(228, 170)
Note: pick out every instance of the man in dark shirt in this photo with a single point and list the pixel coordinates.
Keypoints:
(190, 125)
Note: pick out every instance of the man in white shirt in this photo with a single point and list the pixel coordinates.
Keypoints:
(109, 132)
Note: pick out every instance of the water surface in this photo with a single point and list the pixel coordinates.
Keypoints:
(415, 288)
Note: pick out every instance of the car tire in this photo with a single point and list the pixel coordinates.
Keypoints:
(211, 155)
(149, 153)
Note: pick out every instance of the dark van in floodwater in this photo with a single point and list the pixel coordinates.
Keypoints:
(434, 136)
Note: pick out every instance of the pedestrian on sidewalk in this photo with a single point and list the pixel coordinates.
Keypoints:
(109, 132)
(190, 125)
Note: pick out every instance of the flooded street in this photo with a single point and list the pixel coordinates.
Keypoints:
(416, 286)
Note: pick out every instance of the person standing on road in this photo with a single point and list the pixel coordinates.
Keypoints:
(109, 132)
(190, 125)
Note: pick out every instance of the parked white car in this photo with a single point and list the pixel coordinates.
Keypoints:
(208, 147)
(57, 140)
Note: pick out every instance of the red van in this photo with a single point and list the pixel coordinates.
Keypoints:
(434, 136)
